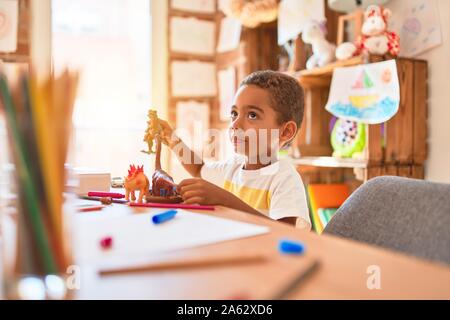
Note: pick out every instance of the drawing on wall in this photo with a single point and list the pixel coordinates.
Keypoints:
(230, 34)
(193, 79)
(365, 93)
(9, 20)
(227, 89)
(417, 23)
(192, 122)
(200, 6)
(191, 35)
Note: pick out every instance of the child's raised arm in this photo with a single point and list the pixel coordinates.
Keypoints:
(190, 161)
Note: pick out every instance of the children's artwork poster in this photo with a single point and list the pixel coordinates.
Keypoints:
(417, 23)
(227, 90)
(193, 79)
(192, 122)
(230, 35)
(9, 23)
(200, 6)
(294, 15)
(367, 93)
(191, 35)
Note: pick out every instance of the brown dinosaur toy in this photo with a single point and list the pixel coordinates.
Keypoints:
(163, 189)
(136, 180)
(154, 131)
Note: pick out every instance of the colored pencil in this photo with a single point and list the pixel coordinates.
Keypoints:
(300, 278)
(172, 206)
(25, 179)
(38, 118)
(106, 194)
(201, 262)
(120, 201)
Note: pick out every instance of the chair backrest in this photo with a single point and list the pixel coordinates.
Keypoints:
(411, 216)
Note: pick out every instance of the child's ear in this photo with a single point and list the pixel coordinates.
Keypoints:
(288, 131)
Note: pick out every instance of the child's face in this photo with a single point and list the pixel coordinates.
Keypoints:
(254, 130)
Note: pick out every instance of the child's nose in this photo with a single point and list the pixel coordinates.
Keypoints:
(237, 123)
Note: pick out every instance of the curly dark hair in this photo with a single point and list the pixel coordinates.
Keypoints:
(285, 91)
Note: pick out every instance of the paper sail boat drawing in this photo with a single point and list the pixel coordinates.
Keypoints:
(367, 93)
(364, 99)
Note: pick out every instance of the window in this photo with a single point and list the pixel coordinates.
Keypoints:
(108, 41)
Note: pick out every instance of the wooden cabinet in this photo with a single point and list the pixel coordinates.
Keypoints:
(397, 147)
(22, 54)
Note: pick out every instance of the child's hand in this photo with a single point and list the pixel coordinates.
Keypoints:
(168, 137)
(199, 191)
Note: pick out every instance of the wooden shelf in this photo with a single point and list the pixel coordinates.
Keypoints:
(330, 162)
(328, 69)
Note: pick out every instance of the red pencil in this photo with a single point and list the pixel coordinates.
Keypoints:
(172, 206)
(90, 208)
(106, 194)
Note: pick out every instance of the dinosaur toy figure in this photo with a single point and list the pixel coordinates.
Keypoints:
(163, 188)
(154, 130)
(136, 180)
(162, 183)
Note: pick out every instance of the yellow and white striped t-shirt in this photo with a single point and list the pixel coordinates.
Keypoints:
(276, 190)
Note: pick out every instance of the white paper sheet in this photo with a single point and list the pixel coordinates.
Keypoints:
(230, 35)
(9, 20)
(417, 23)
(135, 236)
(227, 90)
(293, 16)
(193, 79)
(192, 123)
(366, 93)
(201, 6)
(191, 35)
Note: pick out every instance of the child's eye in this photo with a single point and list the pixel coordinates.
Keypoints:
(252, 115)
(233, 114)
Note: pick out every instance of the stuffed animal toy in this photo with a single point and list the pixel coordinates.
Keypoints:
(251, 13)
(375, 38)
(348, 139)
(323, 51)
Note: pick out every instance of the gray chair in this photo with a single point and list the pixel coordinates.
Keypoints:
(411, 216)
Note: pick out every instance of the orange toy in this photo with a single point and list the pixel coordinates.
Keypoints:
(136, 180)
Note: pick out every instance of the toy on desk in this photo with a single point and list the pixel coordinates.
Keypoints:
(348, 139)
(375, 38)
(163, 188)
(154, 131)
(323, 51)
(136, 181)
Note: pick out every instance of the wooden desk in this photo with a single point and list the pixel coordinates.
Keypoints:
(342, 273)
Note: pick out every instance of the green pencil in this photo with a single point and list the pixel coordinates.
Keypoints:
(26, 181)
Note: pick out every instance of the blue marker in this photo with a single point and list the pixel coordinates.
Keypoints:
(291, 247)
(164, 216)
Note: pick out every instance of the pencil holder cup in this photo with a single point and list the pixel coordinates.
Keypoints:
(35, 251)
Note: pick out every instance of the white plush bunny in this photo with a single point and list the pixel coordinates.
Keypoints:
(323, 51)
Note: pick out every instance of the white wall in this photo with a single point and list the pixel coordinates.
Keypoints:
(159, 11)
(40, 37)
(438, 164)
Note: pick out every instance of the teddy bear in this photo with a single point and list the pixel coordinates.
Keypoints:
(323, 51)
(374, 39)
